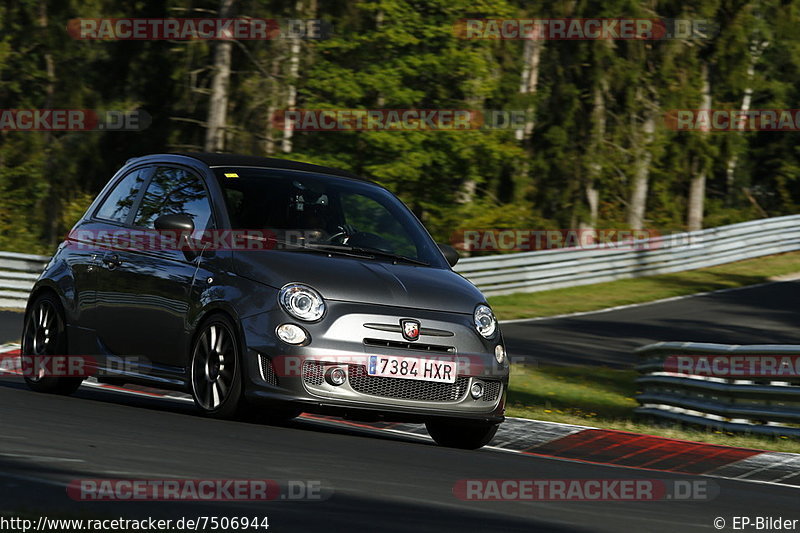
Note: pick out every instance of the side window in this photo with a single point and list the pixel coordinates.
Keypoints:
(174, 191)
(235, 200)
(117, 205)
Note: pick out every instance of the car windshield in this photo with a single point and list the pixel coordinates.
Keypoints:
(307, 211)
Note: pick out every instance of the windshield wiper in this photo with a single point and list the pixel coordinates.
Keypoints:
(328, 249)
(351, 251)
(345, 249)
(389, 255)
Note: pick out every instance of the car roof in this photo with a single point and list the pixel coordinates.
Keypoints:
(237, 160)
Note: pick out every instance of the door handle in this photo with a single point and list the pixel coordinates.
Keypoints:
(112, 261)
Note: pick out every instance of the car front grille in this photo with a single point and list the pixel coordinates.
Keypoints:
(406, 389)
(267, 371)
(313, 372)
(491, 390)
(418, 346)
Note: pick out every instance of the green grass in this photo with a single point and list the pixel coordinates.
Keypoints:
(647, 289)
(604, 397)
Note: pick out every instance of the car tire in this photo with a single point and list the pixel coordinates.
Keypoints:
(45, 334)
(215, 374)
(463, 435)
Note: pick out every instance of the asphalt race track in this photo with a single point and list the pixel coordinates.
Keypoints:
(375, 481)
(379, 483)
(764, 314)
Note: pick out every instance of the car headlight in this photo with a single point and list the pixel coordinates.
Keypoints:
(485, 322)
(302, 302)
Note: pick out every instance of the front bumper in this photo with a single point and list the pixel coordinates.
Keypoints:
(346, 337)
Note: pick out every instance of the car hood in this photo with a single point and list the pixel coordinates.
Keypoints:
(362, 280)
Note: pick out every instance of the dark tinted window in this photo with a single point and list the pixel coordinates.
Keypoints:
(368, 215)
(174, 191)
(119, 202)
(304, 209)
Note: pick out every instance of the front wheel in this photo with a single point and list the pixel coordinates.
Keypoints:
(216, 378)
(44, 336)
(465, 435)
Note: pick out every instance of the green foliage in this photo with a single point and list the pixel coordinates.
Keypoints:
(400, 54)
(447, 223)
(23, 187)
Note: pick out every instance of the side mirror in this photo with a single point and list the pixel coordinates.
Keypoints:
(449, 253)
(182, 223)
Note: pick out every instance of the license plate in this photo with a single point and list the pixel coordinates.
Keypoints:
(391, 366)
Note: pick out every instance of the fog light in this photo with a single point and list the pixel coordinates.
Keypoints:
(336, 376)
(476, 390)
(292, 334)
(500, 353)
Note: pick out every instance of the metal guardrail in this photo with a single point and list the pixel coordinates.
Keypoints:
(553, 269)
(721, 386)
(18, 272)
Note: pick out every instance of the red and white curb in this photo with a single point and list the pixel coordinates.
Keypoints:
(568, 442)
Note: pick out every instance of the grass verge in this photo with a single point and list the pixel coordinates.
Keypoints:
(647, 289)
(604, 398)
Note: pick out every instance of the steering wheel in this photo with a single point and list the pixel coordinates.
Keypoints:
(344, 233)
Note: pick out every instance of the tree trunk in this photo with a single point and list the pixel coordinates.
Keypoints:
(756, 49)
(697, 191)
(697, 187)
(220, 84)
(594, 167)
(637, 203)
(272, 108)
(528, 83)
(380, 99)
(54, 196)
(291, 88)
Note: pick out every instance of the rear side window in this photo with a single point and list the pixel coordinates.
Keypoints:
(174, 191)
(118, 204)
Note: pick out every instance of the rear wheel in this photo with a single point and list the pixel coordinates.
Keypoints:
(214, 370)
(45, 335)
(464, 435)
